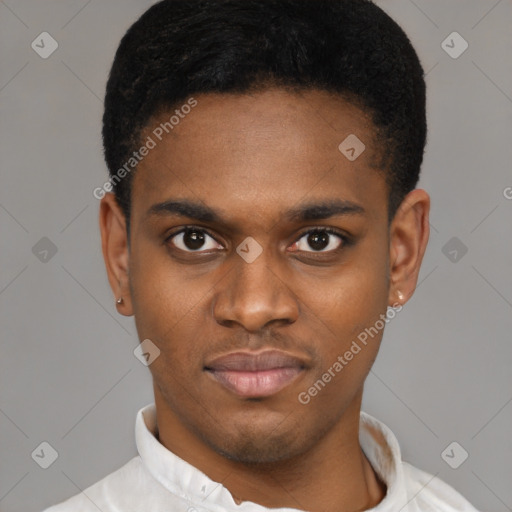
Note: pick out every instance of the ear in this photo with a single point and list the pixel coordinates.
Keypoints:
(409, 233)
(114, 244)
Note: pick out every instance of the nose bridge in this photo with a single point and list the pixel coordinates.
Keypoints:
(253, 294)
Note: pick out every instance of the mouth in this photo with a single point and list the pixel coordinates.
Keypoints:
(255, 375)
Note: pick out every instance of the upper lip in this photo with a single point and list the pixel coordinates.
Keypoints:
(253, 362)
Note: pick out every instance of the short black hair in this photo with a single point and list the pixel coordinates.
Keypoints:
(350, 47)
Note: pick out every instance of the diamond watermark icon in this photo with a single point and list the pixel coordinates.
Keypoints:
(351, 147)
(454, 249)
(454, 45)
(146, 352)
(44, 45)
(44, 250)
(45, 455)
(249, 249)
(454, 455)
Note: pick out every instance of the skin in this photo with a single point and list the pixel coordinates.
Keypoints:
(252, 158)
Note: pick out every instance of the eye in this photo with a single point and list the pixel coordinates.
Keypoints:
(320, 240)
(192, 240)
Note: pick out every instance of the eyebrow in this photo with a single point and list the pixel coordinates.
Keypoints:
(185, 208)
(324, 210)
(305, 212)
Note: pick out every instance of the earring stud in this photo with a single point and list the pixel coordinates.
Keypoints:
(120, 300)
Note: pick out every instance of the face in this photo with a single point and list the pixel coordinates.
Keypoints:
(258, 254)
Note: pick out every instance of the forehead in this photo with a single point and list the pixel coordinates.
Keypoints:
(268, 150)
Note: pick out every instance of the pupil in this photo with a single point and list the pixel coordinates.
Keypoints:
(318, 240)
(193, 239)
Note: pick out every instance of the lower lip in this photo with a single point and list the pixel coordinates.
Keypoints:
(255, 384)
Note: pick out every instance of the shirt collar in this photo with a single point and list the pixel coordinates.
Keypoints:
(182, 479)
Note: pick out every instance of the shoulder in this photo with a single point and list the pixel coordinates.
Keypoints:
(430, 494)
(108, 493)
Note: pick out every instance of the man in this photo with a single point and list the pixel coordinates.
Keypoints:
(262, 225)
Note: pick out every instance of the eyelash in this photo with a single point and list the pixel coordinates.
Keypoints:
(346, 241)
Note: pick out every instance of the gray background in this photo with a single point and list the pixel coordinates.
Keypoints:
(68, 375)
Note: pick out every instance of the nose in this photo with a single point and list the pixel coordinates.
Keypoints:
(254, 295)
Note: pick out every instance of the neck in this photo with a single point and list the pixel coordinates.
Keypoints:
(333, 476)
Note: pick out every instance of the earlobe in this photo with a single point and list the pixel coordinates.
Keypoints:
(409, 233)
(114, 243)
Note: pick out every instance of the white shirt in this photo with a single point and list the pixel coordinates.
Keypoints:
(157, 480)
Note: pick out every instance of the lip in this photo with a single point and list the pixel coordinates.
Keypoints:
(253, 375)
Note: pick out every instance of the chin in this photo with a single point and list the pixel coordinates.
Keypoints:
(258, 451)
(253, 446)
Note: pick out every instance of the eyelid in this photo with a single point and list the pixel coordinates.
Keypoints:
(183, 229)
(346, 240)
(326, 229)
(189, 227)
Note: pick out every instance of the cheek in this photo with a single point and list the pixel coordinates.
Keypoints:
(162, 299)
(167, 312)
(347, 350)
(347, 316)
(350, 299)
